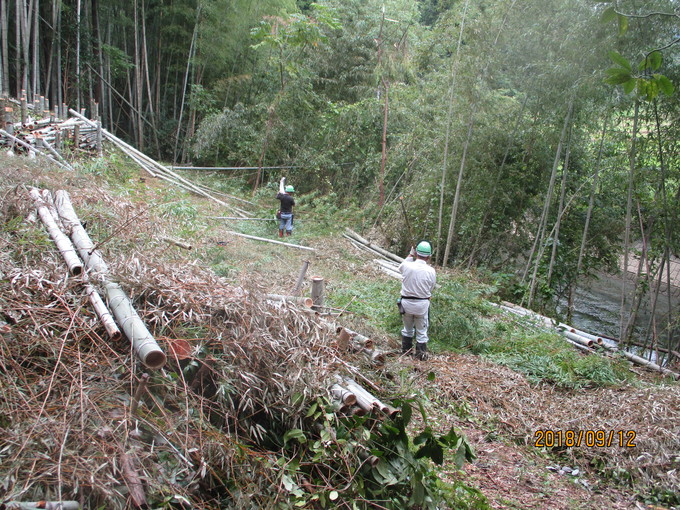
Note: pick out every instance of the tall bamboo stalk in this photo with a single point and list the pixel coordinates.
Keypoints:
(454, 72)
(540, 235)
(589, 214)
(459, 184)
(4, 28)
(629, 207)
(560, 209)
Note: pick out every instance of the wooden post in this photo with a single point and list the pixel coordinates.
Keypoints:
(317, 291)
(57, 140)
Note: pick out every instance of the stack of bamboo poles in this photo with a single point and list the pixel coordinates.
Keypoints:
(583, 340)
(155, 169)
(352, 398)
(60, 219)
(45, 137)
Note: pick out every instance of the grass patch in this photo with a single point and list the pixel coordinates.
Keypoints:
(546, 357)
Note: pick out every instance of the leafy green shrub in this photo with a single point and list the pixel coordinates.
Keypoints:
(349, 462)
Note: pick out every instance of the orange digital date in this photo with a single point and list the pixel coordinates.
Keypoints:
(575, 438)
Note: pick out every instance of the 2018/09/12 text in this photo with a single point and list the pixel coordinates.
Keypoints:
(575, 438)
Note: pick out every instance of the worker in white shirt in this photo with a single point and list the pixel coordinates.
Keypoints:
(418, 281)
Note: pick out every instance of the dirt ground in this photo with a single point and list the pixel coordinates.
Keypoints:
(500, 412)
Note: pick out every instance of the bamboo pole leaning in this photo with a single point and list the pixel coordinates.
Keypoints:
(143, 343)
(304, 301)
(353, 235)
(151, 165)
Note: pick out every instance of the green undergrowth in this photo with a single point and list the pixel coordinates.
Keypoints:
(461, 317)
(386, 464)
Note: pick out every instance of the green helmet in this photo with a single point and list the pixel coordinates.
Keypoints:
(424, 249)
(290, 189)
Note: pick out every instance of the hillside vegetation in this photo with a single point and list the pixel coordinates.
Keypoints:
(241, 416)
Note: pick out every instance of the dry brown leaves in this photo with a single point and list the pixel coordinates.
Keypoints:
(66, 420)
(505, 401)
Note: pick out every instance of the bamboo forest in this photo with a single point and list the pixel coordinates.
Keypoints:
(535, 146)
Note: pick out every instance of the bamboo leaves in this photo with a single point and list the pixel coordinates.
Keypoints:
(647, 82)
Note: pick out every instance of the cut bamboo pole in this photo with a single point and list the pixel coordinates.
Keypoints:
(301, 277)
(344, 339)
(32, 150)
(306, 302)
(317, 291)
(344, 395)
(49, 505)
(64, 244)
(102, 312)
(238, 218)
(587, 340)
(365, 397)
(52, 151)
(578, 338)
(180, 244)
(143, 343)
(255, 238)
(362, 340)
(374, 247)
(388, 268)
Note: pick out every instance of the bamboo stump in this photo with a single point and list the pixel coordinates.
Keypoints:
(317, 291)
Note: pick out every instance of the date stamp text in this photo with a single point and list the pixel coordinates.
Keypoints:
(547, 438)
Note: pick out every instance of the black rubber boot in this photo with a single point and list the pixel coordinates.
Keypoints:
(406, 343)
(421, 351)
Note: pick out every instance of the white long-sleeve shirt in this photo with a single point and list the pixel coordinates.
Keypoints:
(418, 280)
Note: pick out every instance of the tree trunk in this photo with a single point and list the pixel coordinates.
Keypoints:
(454, 72)
(456, 198)
(540, 233)
(589, 214)
(629, 208)
(383, 158)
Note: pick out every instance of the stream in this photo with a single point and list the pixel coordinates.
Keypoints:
(597, 308)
